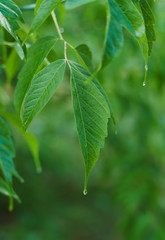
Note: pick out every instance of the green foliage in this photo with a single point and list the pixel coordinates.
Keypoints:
(7, 153)
(43, 71)
(10, 10)
(42, 88)
(92, 112)
(70, 4)
(44, 10)
(9, 15)
(36, 55)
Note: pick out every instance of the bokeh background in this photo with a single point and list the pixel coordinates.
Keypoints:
(126, 190)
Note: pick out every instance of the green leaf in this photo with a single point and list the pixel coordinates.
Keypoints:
(115, 38)
(10, 9)
(149, 23)
(92, 112)
(134, 15)
(35, 56)
(34, 148)
(42, 88)
(9, 15)
(86, 55)
(11, 69)
(70, 4)
(29, 138)
(7, 152)
(45, 9)
(5, 190)
(9, 25)
(136, 19)
(38, 3)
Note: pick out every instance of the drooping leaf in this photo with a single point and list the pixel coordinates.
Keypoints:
(30, 139)
(136, 19)
(42, 88)
(7, 191)
(45, 9)
(92, 112)
(7, 152)
(115, 37)
(10, 10)
(149, 23)
(70, 4)
(36, 55)
(135, 16)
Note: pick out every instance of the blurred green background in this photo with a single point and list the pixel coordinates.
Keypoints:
(126, 190)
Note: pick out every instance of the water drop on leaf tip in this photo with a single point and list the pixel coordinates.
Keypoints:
(85, 192)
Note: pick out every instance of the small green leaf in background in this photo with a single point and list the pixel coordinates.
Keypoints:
(30, 139)
(7, 153)
(85, 53)
(35, 56)
(42, 88)
(70, 4)
(92, 113)
(45, 9)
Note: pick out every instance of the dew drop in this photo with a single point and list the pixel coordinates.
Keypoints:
(85, 192)
(144, 84)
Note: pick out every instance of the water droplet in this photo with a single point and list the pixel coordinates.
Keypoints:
(144, 84)
(85, 192)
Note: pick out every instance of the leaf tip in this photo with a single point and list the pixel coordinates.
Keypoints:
(85, 192)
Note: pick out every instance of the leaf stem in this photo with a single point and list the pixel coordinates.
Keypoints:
(56, 25)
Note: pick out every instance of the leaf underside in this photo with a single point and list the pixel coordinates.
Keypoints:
(137, 18)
